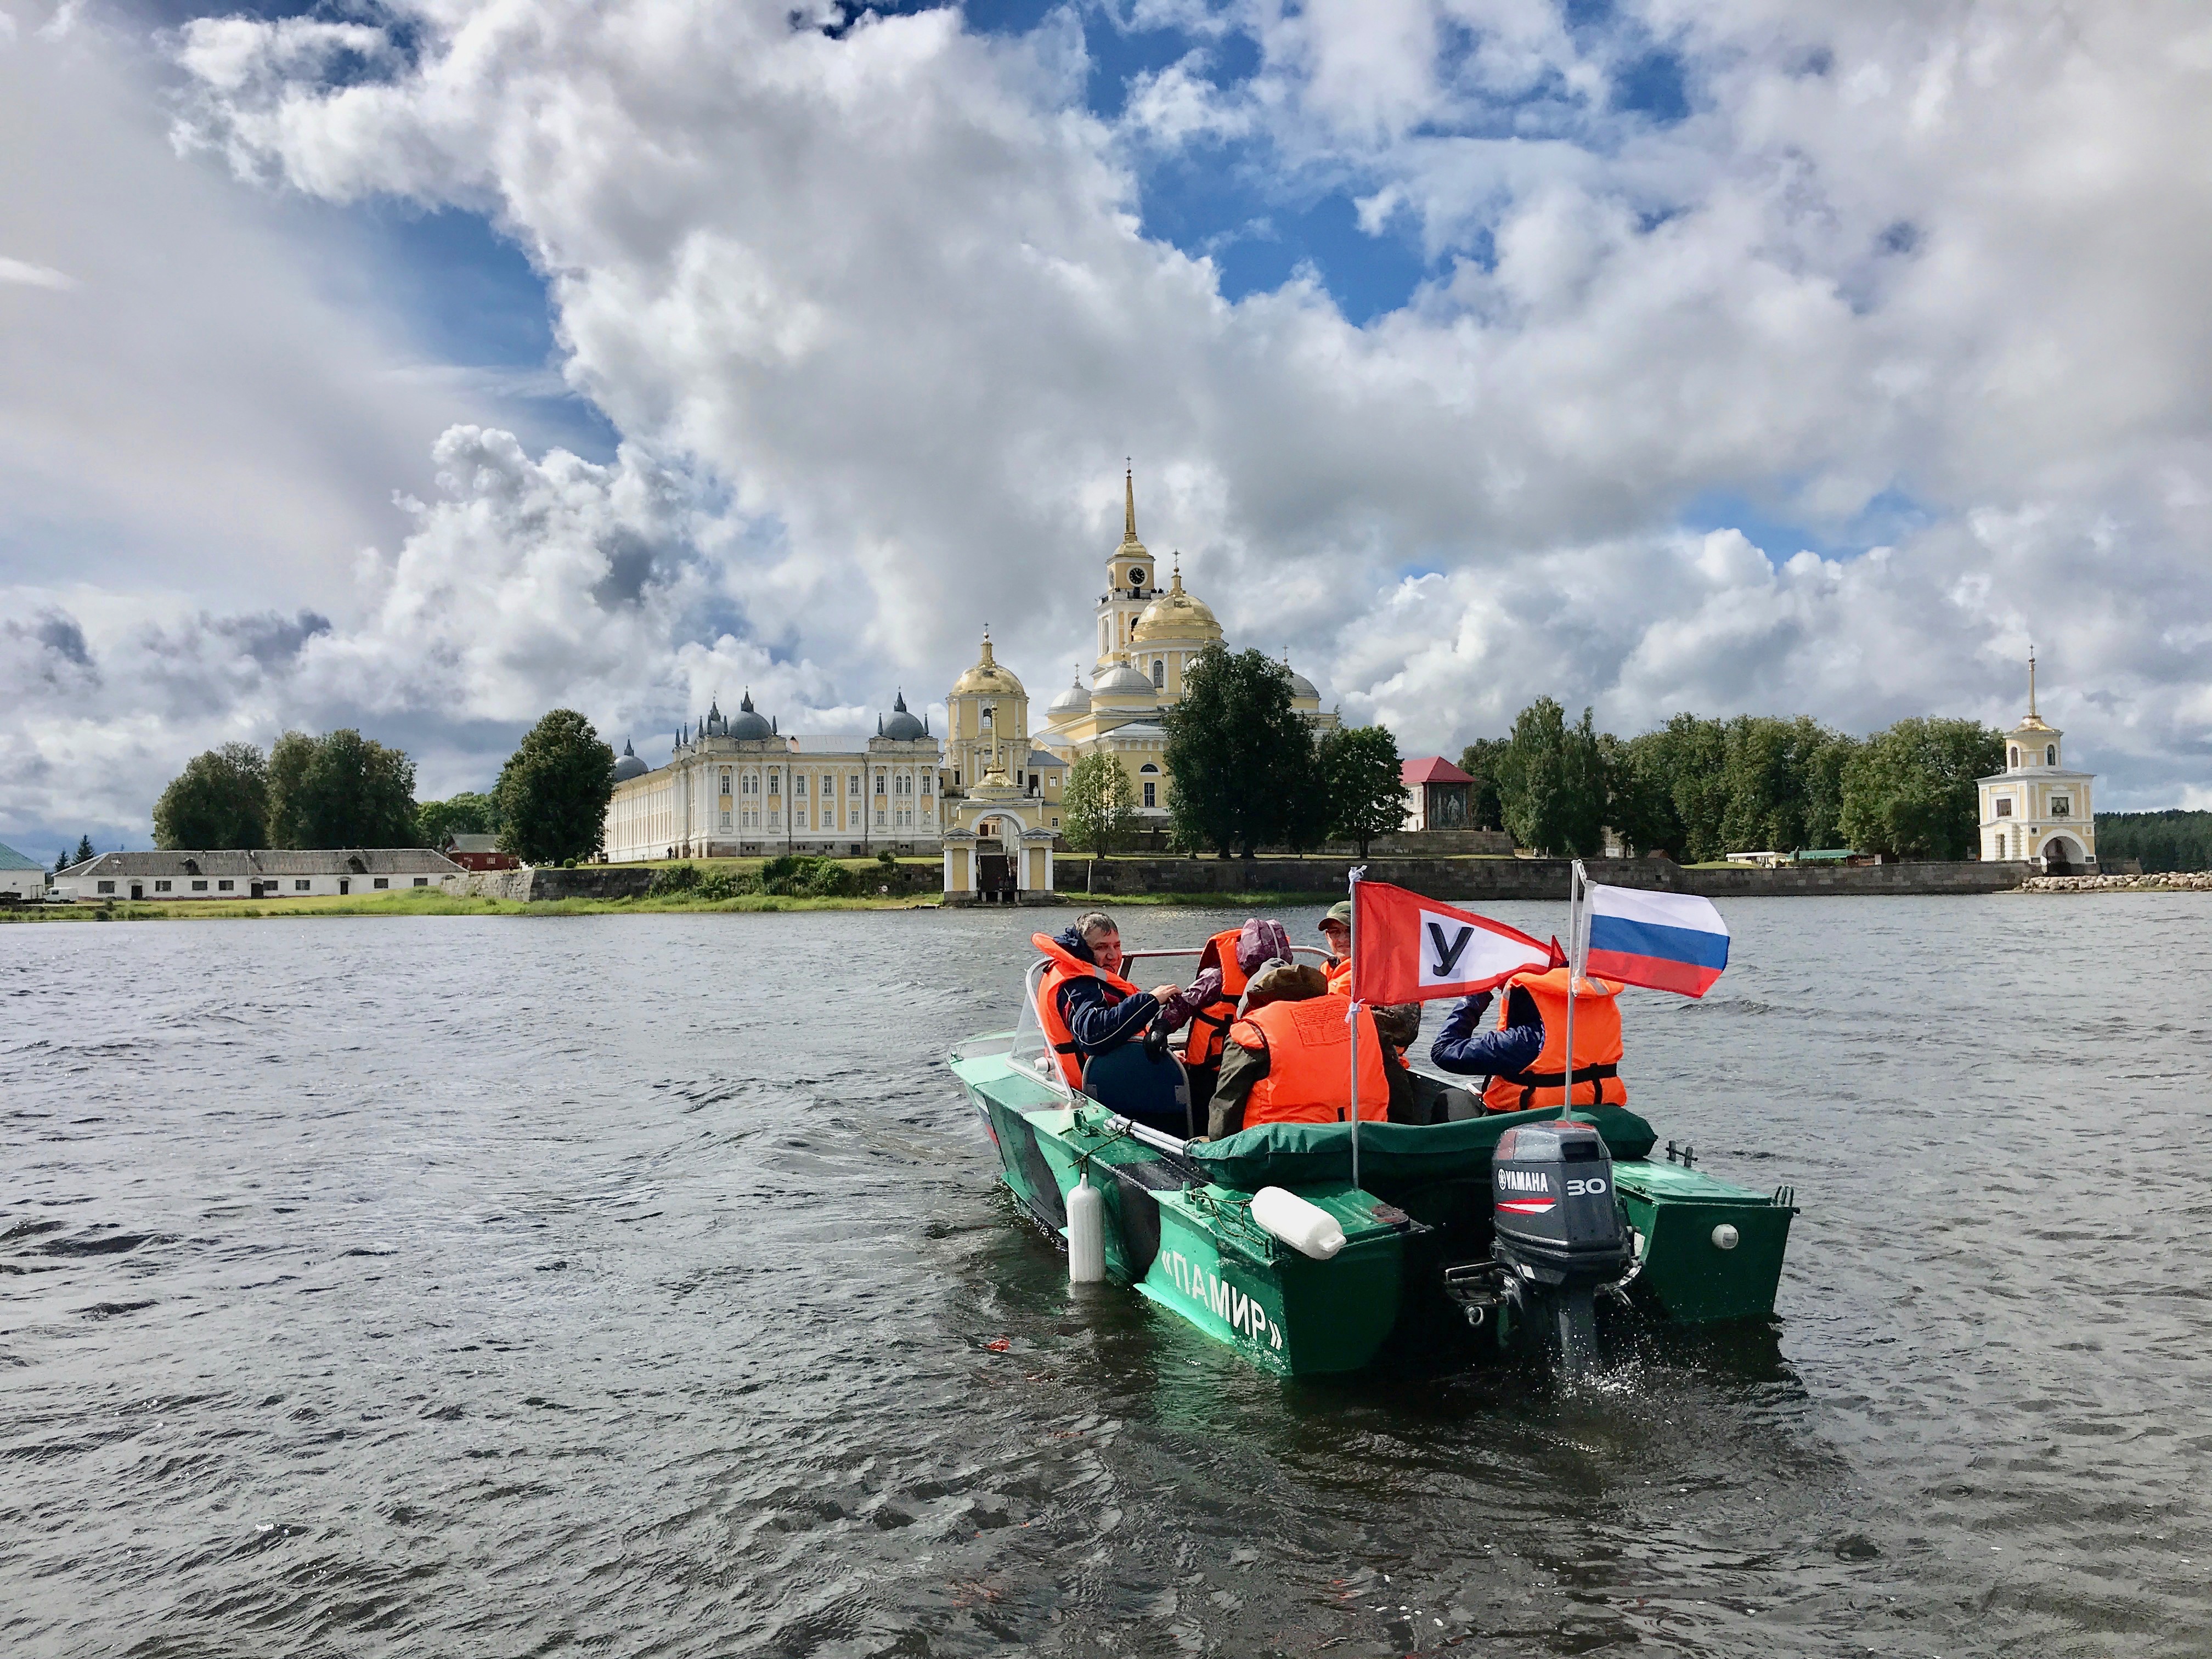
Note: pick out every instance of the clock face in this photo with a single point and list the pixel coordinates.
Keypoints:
(1136, 577)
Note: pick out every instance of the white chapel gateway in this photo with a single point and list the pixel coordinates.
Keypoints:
(2035, 810)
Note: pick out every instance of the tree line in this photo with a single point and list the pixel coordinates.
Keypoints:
(342, 789)
(1697, 789)
(2172, 840)
(1247, 771)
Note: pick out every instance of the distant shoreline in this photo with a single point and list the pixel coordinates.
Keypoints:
(442, 904)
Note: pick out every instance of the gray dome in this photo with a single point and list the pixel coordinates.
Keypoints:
(627, 765)
(746, 726)
(1302, 687)
(1074, 701)
(901, 726)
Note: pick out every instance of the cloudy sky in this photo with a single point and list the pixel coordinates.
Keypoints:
(422, 367)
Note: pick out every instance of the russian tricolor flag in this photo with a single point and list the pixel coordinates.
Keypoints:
(1664, 941)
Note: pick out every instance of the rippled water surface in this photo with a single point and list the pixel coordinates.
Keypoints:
(625, 1283)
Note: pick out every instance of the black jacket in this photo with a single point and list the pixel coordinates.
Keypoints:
(1094, 1023)
(1460, 1048)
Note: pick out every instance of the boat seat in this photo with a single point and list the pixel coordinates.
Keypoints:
(1153, 1092)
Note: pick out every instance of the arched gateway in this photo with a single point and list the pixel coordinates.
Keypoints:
(997, 841)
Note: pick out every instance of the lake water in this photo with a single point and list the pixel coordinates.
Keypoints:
(623, 1285)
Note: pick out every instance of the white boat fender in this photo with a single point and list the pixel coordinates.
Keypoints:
(1086, 1233)
(1306, 1228)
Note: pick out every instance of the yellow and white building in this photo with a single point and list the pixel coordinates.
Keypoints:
(2035, 809)
(1147, 638)
(989, 798)
(737, 787)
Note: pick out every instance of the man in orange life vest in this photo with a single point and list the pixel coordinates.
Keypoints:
(1085, 1005)
(1336, 933)
(1289, 1059)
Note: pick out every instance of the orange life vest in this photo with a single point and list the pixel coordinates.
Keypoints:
(1308, 1047)
(1339, 977)
(1066, 966)
(1210, 1025)
(1597, 1045)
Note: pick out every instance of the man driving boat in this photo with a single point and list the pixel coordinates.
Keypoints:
(1085, 1005)
(1336, 933)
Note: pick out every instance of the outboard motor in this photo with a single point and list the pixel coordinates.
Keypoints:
(1558, 1228)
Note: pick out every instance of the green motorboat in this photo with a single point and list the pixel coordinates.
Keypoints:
(1457, 1243)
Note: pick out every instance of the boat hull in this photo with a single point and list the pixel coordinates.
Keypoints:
(1191, 1246)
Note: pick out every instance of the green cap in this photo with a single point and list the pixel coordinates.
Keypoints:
(1339, 913)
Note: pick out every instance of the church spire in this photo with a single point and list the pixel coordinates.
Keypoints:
(2031, 683)
(1131, 547)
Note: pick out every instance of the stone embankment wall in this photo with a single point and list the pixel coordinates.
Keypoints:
(2174, 881)
(1524, 878)
(593, 881)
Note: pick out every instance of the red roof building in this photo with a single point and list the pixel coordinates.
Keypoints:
(1436, 794)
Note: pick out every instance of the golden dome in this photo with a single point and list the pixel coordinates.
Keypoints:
(988, 680)
(1176, 615)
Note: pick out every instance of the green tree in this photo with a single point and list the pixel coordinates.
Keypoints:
(1098, 804)
(1362, 773)
(339, 790)
(1909, 791)
(1824, 788)
(461, 814)
(1552, 786)
(220, 801)
(2170, 840)
(84, 852)
(1242, 756)
(289, 756)
(554, 790)
(1639, 801)
(1480, 760)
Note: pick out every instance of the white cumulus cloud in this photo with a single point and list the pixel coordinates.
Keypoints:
(878, 310)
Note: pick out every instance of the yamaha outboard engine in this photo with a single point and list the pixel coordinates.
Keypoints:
(1558, 1228)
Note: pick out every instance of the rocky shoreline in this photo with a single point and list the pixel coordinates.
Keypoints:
(2176, 881)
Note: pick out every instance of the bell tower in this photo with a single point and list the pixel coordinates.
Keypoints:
(2036, 809)
(1131, 581)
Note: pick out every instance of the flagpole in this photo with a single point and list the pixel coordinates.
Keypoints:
(1574, 972)
(1352, 1015)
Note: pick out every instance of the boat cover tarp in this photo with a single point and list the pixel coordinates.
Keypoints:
(1299, 1154)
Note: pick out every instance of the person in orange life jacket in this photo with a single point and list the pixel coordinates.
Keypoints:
(1086, 998)
(1541, 1079)
(1236, 954)
(1296, 1068)
(1505, 1051)
(1336, 933)
(1399, 1024)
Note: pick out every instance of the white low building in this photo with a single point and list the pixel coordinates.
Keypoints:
(22, 879)
(287, 873)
